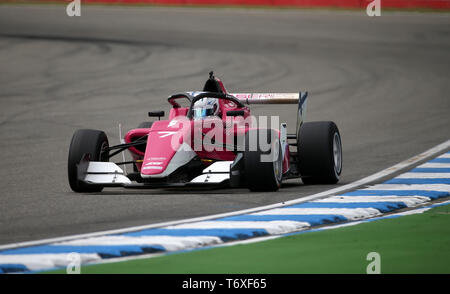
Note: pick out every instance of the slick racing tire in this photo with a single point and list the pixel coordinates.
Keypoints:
(319, 152)
(263, 168)
(92, 142)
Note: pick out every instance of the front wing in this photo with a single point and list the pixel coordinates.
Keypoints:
(109, 174)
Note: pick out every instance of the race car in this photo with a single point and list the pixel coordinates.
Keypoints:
(212, 140)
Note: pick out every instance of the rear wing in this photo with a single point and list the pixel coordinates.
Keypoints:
(268, 98)
(277, 98)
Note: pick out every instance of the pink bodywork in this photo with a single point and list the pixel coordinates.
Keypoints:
(166, 136)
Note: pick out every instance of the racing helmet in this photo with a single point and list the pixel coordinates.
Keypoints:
(206, 107)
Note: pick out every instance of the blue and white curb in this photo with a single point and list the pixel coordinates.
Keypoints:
(418, 186)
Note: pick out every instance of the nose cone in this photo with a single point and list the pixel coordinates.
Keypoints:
(168, 148)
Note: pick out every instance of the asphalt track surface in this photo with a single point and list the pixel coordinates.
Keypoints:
(384, 81)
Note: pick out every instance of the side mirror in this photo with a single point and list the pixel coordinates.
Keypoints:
(157, 114)
(235, 113)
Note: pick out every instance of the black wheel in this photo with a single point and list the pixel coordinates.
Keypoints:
(319, 153)
(263, 163)
(145, 125)
(90, 142)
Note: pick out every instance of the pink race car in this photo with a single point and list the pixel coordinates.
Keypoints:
(212, 140)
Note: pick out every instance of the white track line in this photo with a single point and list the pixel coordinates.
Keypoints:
(424, 176)
(408, 200)
(349, 213)
(435, 165)
(422, 187)
(47, 261)
(365, 181)
(170, 243)
(272, 227)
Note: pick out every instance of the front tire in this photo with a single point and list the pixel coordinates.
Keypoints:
(91, 142)
(319, 153)
(263, 169)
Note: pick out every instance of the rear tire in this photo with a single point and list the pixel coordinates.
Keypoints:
(85, 141)
(263, 175)
(319, 153)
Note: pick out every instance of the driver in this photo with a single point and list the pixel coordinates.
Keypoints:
(206, 107)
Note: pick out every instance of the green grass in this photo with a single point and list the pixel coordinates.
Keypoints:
(409, 244)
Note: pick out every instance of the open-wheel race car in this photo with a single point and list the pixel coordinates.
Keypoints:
(212, 140)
